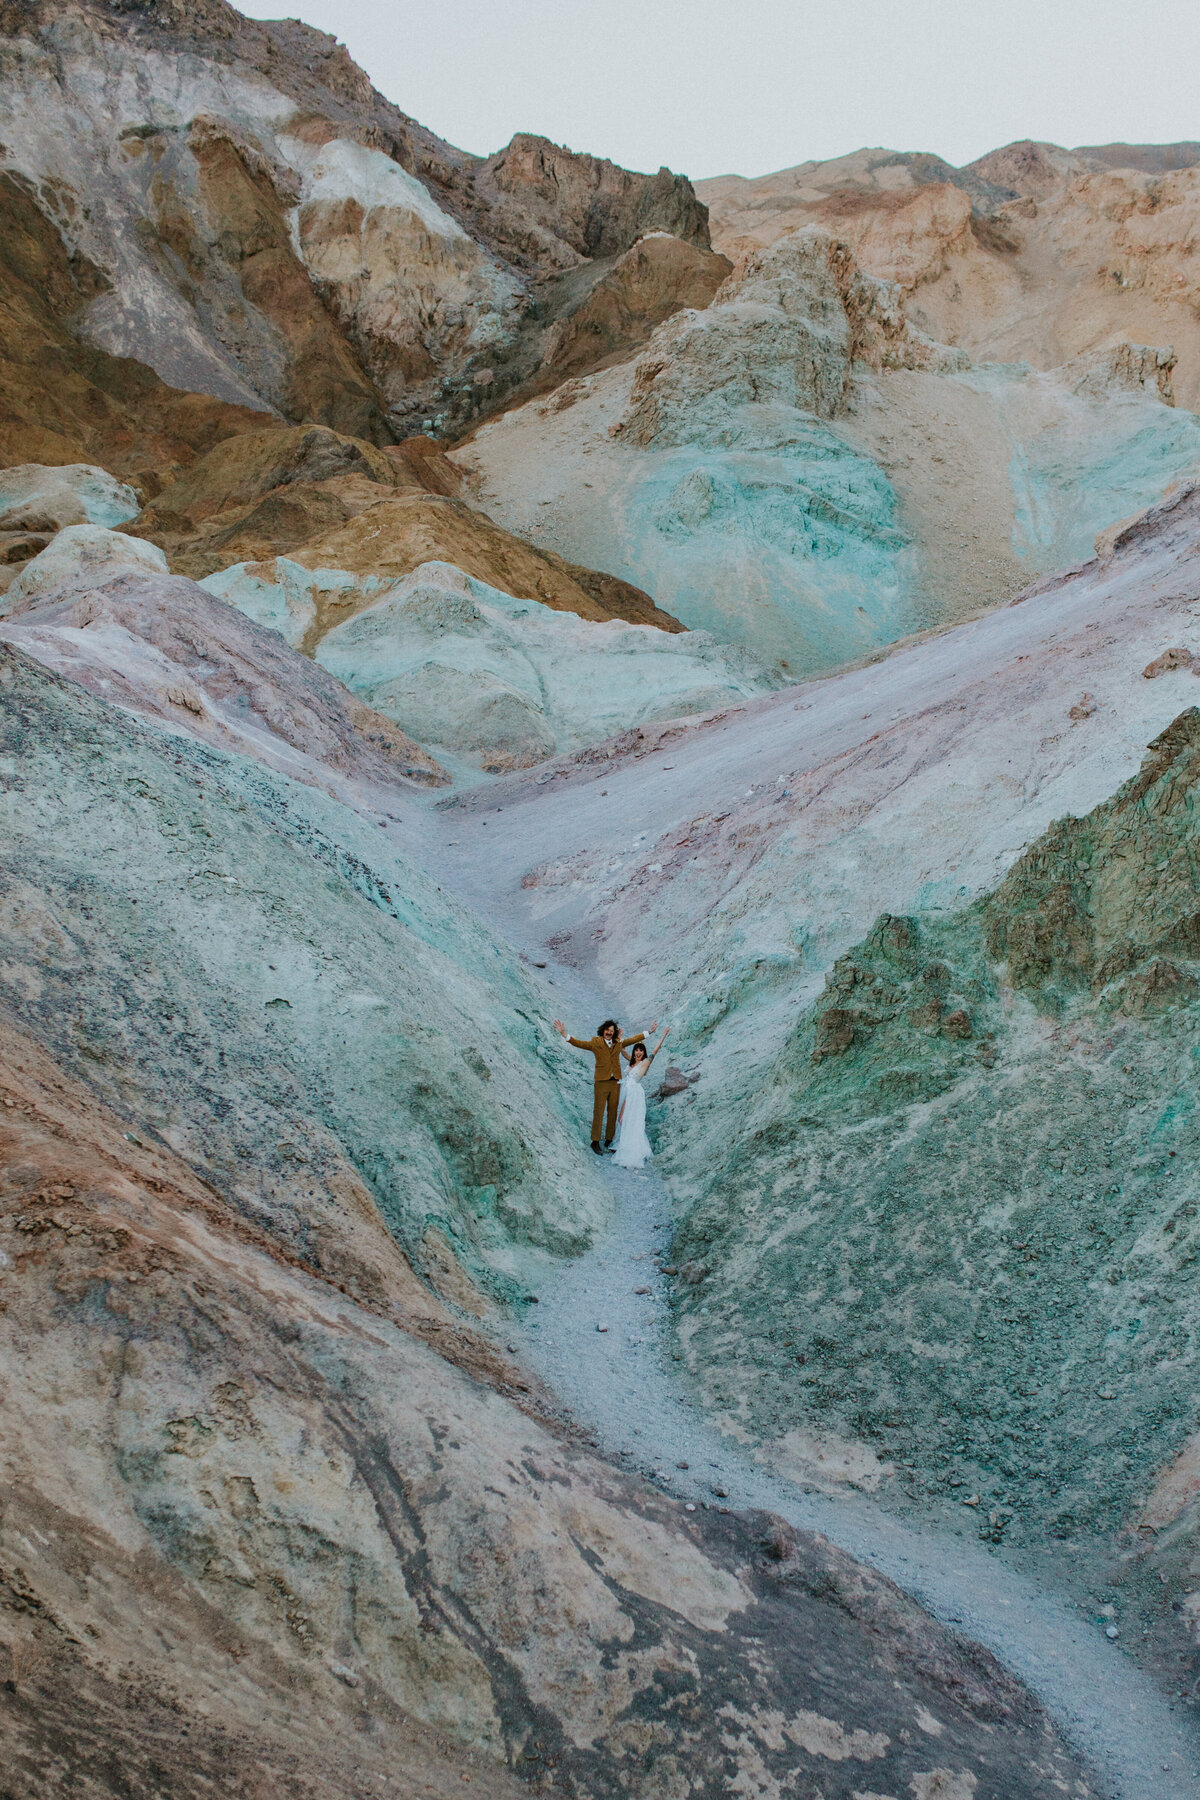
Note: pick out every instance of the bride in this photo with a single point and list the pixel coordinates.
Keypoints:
(633, 1146)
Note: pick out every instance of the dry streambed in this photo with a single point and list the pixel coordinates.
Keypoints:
(600, 1337)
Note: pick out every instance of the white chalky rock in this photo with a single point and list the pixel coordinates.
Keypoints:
(37, 497)
(497, 681)
(505, 682)
(82, 553)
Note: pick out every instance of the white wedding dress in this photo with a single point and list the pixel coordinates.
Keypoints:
(633, 1146)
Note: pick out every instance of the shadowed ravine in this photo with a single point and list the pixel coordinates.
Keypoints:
(622, 1384)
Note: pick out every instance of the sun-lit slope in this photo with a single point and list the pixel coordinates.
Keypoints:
(799, 469)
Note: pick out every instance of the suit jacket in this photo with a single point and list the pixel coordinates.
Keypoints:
(608, 1056)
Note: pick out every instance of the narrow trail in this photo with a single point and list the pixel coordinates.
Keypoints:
(623, 1383)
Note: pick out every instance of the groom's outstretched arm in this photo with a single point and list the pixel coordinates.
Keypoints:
(579, 1043)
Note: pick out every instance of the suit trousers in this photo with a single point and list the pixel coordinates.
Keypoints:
(608, 1093)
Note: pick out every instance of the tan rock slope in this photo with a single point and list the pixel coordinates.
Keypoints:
(332, 502)
(1102, 236)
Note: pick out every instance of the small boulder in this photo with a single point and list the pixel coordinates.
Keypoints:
(1175, 658)
(835, 1034)
(780, 1540)
(37, 497)
(81, 554)
(673, 1082)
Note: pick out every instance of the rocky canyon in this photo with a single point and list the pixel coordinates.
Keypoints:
(440, 594)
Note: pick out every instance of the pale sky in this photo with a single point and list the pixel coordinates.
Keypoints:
(713, 87)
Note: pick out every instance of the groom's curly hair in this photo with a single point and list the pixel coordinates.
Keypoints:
(601, 1029)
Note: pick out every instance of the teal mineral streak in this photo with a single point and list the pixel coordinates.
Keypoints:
(966, 1190)
(776, 519)
(284, 961)
(1067, 486)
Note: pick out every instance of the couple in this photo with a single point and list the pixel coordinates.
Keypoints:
(620, 1096)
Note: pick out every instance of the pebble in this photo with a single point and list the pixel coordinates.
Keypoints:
(602, 1328)
(643, 1290)
(1110, 1631)
(689, 1506)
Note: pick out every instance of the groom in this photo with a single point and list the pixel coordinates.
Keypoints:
(606, 1047)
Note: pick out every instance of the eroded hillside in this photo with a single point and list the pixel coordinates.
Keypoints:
(1103, 235)
(405, 557)
(280, 1119)
(803, 469)
(903, 1143)
(231, 205)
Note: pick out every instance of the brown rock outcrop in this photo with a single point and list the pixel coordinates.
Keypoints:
(302, 493)
(242, 470)
(262, 494)
(659, 276)
(244, 212)
(401, 533)
(64, 401)
(590, 204)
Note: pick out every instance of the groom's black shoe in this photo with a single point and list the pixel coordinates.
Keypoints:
(596, 1148)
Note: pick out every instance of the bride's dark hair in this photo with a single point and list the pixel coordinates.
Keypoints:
(639, 1054)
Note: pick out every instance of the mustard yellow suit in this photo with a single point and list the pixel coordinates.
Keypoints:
(608, 1080)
